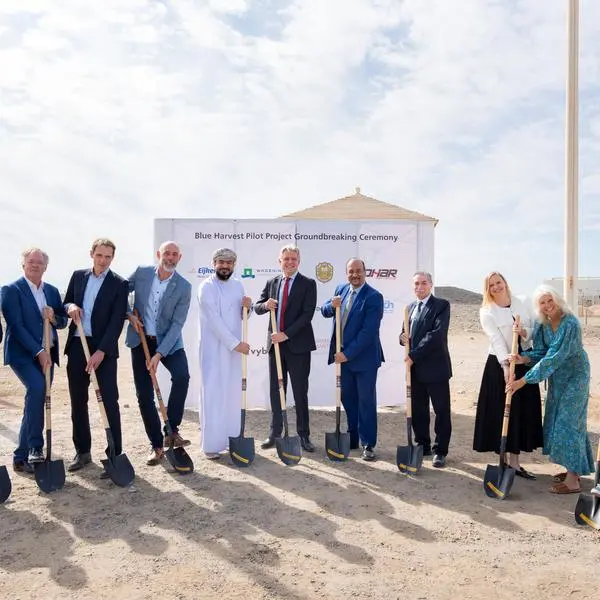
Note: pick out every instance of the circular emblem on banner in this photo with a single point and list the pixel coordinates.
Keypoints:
(324, 272)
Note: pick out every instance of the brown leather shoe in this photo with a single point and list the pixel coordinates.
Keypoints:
(155, 457)
(178, 441)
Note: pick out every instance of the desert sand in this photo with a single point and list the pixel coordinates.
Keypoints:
(318, 530)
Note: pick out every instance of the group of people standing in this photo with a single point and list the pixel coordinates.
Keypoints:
(550, 347)
(96, 302)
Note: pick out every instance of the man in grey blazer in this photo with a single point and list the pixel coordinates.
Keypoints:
(162, 300)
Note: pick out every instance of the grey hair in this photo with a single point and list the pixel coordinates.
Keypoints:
(543, 290)
(290, 248)
(168, 243)
(425, 274)
(32, 250)
(224, 254)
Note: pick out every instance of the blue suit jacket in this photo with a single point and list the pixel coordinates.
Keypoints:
(24, 322)
(172, 310)
(429, 342)
(361, 344)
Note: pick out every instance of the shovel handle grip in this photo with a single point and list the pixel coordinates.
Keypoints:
(278, 361)
(511, 374)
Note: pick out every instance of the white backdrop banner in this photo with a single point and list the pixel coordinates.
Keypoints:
(391, 254)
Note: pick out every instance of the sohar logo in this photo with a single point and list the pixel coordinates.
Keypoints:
(324, 272)
(381, 273)
(247, 273)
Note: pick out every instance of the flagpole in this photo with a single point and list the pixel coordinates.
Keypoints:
(572, 159)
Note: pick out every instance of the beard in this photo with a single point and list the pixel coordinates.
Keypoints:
(169, 268)
(223, 274)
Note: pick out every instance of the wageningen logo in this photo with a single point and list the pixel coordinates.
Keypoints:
(381, 273)
(247, 273)
(251, 273)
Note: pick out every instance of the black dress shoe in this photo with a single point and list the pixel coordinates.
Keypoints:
(268, 443)
(80, 460)
(22, 466)
(306, 443)
(368, 453)
(439, 461)
(104, 474)
(354, 445)
(521, 472)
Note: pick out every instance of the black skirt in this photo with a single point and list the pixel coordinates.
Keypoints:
(525, 426)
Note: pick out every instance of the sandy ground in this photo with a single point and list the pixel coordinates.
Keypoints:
(319, 530)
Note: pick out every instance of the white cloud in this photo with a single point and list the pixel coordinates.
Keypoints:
(117, 112)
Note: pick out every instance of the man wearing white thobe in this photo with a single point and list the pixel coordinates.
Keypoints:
(221, 299)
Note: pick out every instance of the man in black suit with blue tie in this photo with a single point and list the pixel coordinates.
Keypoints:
(98, 298)
(430, 367)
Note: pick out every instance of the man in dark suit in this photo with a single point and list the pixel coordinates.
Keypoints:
(162, 300)
(361, 355)
(25, 304)
(98, 298)
(430, 367)
(294, 297)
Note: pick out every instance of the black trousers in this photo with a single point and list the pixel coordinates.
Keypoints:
(79, 382)
(439, 393)
(177, 366)
(297, 366)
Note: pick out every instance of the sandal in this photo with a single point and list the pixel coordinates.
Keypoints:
(561, 488)
(559, 477)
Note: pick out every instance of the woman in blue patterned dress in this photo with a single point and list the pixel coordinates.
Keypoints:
(558, 356)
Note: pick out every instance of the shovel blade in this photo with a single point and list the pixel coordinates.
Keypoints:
(241, 450)
(409, 459)
(587, 511)
(180, 460)
(498, 481)
(337, 446)
(289, 450)
(49, 475)
(119, 469)
(5, 484)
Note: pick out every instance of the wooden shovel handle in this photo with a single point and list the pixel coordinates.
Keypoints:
(407, 368)
(161, 404)
(338, 366)
(95, 384)
(244, 356)
(511, 374)
(48, 372)
(278, 361)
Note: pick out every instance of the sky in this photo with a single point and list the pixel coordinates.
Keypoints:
(118, 112)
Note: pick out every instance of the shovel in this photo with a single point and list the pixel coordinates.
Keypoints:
(337, 444)
(288, 448)
(409, 458)
(587, 511)
(180, 460)
(5, 484)
(119, 468)
(498, 480)
(241, 449)
(50, 474)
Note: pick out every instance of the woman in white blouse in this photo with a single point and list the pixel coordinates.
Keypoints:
(497, 314)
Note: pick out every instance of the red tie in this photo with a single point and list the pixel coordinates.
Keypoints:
(284, 299)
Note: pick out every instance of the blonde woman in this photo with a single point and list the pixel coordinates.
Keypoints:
(558, 356)
(497, 315)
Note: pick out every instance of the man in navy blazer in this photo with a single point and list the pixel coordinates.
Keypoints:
(431, 369)
(25, 303)
(361, 355)
(162, 300)
(98, 298)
